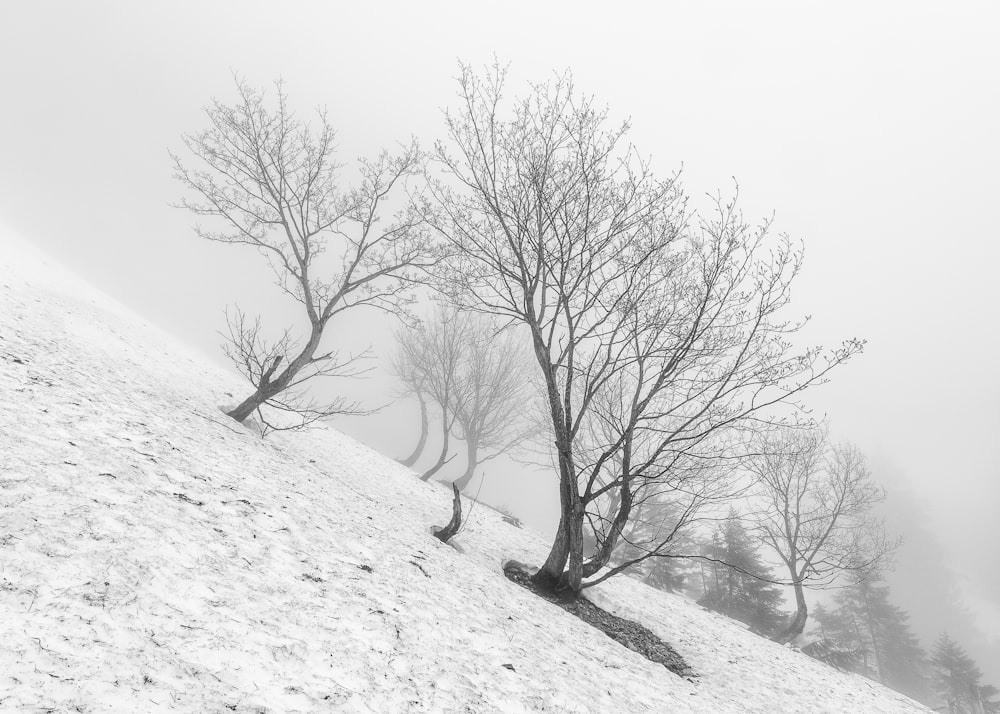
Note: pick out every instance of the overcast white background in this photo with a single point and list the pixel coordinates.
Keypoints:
(870, 130)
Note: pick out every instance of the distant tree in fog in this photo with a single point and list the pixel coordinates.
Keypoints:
(956, 679)
(427, 361)
(658, 531)
(413, 384)
(834, 641)
(865, 623)
(495, 391)
(896, 658)
(661, 537)
(269, 180)
(476, 374)
(660, 340)
(737, 582)
(816, 513)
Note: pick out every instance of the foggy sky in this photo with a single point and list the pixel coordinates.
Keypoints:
(870, 131)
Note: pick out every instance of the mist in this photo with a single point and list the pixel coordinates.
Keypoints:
(869, 133)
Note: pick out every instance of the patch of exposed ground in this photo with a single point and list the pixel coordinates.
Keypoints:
(625, 632)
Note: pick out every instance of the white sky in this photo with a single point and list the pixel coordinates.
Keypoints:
(871, 131)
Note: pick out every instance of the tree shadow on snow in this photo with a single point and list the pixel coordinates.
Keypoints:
(630, 634)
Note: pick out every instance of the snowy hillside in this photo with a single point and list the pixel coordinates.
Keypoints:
(155, 556)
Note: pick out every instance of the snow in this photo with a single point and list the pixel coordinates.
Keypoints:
(157, 557)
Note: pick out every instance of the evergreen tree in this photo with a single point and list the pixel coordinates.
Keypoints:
(656, 565)
(736, 580)
(956, 678)
(835, 641)
(664, 573)
(867, 634)
(827, 624)
(898, 659)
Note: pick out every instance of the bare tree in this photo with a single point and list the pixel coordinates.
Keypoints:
(817, 514)
(494, 391)
(270, 181)
(409, 368)
(659, 333)
(477, 376)
(428, 358)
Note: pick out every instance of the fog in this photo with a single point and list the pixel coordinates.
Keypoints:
(869, 131)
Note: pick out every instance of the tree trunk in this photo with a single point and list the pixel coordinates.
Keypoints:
(267, 388)
(607, 546)
(548, 575)
(472, 460)
(801, 614)
(861, 643)
(445, 534)
(552, 569)
(412, 458)
(563, 568)
(568, 543)
(443, 457)
(247, 407)
(871, 633)
(572, 577)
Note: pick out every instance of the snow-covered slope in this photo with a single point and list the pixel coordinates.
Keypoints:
(155, 556)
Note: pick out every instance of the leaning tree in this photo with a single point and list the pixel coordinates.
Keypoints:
(659, 336)
(269, 180)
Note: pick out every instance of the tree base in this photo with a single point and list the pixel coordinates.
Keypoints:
(632, 635)
(445, 534)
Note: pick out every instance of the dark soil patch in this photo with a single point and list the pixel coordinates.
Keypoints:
(630, 634)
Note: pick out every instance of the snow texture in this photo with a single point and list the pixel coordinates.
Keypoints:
(157, 557)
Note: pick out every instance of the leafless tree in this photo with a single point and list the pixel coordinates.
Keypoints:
(258, 360)
(476, 373)
(659, 331)
(409, 368)
(269, 180)
(428, 360)
(816, 514)
(495, 389)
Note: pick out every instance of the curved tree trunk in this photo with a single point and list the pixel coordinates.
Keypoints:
(799, 621)
(472, 461)
(563, 568)
(607, 546)
(268, 388)
(548, 575)
(248, 406)
(412, 458)
(445, 534)
(572, 578)
(443, 457)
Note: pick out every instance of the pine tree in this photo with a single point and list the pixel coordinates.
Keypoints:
(956, 678)
(900, 661)
(835, 640)
(665, 574)
(661, 571)
(867, 634)
(736, 581)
